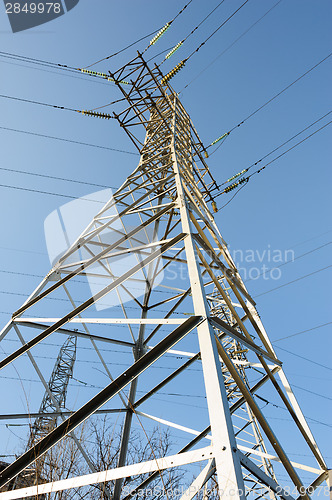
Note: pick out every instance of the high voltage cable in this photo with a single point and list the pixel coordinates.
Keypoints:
(310, 239)
(303, 331)
(231, 45)
(83, 112)
(302, 357)
(283, 408)
(244, 180)
(215, 31)
(271, 152)
(290, 149)
(37, 102)
(122, 50)
(139, 40)
(268, 102)
(67, 74)
(165, 28)
(289, 261)
(45, 176)
(30, 60)
(181, 64)
(49, 193)
(81, 143)
(39, 62)
(176, 47)
(34, 60)
(311, 392)
(293, 281)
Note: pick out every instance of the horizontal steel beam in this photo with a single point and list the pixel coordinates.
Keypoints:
(111, 321)
(112, 474)
(24, 416)
(66, 331)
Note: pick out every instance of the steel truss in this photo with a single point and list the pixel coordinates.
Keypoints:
(55, 396)
(160, 220)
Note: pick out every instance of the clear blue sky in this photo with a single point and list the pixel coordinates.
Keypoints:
(286, 207)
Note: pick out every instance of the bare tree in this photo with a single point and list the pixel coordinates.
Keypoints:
(143, 447)
(102, 443)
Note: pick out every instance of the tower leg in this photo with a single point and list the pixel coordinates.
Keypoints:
(228, 467)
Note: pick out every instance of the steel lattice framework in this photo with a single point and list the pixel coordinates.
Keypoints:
(55, 395)
(158, 220)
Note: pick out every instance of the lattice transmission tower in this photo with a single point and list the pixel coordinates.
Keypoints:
(52, 404)
(154, 246)
(54, 399)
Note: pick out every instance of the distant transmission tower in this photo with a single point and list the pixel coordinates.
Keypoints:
(154, 246)
(53, 402)
(54, 399)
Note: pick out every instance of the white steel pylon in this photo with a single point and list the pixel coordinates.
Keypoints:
(155, 244)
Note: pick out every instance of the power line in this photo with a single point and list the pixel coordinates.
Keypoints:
(64, 66)
(81, 143)
(293, 281)
(215, 31)
(290, 261)
(282, 408)
(231, 45)
(191, 33)
(55, 177)
(83, 112)
(48, 64)
(290, 149)
(313, 238)
(244, 180)
(181, 64)
(139, 40)
(302, 357)
(163, 30)
(37, 102)
(68, 74)
(49, 193)
(276, 149)
(34, 60)
(303, 331)
(311, 392)
(269, 101)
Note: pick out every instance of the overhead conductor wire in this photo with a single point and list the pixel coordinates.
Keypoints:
(243, 180)
(165, 28)
(271, 152)
(96, 114)
(179, 44)
(226, 134)
(181, 64)
(231, 45)
(246, 179)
